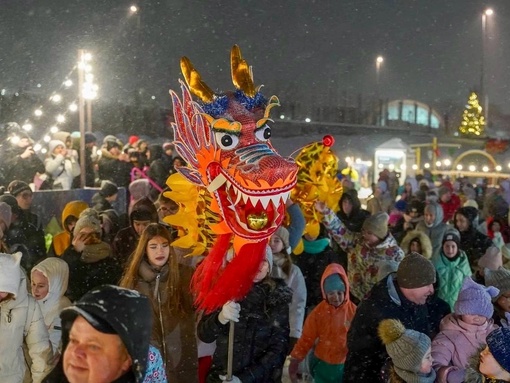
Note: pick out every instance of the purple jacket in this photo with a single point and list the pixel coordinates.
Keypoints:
(455, 343)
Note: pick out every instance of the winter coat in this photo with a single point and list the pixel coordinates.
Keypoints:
(21, 321)
(474, 244)
(173, 332)
(93, 267)
(57, 272)
(17, 168)
(261, 336)
(24, 236)
(436, 231)
(126, 240)
(354, 221)
(450, 207)
(312, 263)
(62, 170)
(112, 169)
(160, 168)
(451, 274)
(377, 204)
(426, 245)
(100, 203)
(296, 282)
(62, 240)
(363, 260)
(326, 326)
(456, 342)
(367, 354)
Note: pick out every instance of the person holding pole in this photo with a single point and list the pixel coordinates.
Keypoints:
(260, 340)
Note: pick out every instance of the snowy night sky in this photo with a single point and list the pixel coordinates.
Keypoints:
(310, 49)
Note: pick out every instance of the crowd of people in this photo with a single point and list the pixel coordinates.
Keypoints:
(414, 288)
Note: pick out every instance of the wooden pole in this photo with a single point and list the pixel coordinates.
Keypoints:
(230, 356)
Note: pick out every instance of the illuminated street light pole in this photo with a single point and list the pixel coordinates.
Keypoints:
(483, 85)
(81, 113)
(378, 63)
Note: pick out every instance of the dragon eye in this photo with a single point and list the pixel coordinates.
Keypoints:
(226, 140)
(263, 133)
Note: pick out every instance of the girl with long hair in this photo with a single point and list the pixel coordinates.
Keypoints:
(153, 270)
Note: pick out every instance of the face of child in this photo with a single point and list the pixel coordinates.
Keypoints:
(370, 238)
(158, 251)
(40, 285)
(426, 363)
(276, 244)
(346, 206)
(335, 297)
(488, 365)
(476, 320)
(429, 217)
(140, 226)
(450, 249)
(263, 270)
(504, 302)
(415, 247)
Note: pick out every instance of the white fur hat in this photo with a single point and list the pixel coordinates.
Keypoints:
(10, 273)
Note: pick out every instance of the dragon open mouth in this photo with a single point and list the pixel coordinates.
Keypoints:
(250, 213)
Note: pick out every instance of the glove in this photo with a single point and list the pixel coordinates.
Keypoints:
(456, 376)
(235, 379)
(229, 311)
(293, 369)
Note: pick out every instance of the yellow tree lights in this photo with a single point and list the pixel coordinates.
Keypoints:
(473, 121)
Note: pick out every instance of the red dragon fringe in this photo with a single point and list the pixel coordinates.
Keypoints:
(214, 286)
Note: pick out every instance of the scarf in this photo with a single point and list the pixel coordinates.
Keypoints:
(317, 246)
(415, 377)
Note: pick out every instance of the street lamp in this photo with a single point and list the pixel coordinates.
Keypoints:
(483, 85)
(378, 62)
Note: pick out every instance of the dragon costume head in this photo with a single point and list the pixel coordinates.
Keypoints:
(225, 140)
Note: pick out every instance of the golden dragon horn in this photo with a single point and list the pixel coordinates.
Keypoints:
(242, 76)
(194, 81)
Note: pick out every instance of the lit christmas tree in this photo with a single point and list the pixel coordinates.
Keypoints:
(473, 121)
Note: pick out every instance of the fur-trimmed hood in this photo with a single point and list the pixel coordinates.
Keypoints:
(426, 245)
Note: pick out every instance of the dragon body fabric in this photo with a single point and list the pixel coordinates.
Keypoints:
(224, 138)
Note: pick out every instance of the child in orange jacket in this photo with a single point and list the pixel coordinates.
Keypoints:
(326, 327)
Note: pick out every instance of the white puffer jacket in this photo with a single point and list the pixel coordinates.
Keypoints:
(56, 271)
(21, 320)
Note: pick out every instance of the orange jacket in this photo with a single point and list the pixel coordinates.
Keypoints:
(62, 240)
(326, 326)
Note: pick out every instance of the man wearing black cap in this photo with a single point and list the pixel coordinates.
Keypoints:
(114, 165)
(407, 295)
(105, 338)
(90, 159)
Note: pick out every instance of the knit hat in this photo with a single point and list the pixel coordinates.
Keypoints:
(108, 188)
(415, 271)
(139, 188)
(133, 140)
(500, 279)
(284, 235)
(53, 144)
(383, 186)
(90, 138)
(115, 310)
(10, 273)
(499, 346)
(475, 299)
(16, 187)
(492, 259)
(406, 347)
(333, 283)
(401, 205)
(111, 141)
(88, 218)
(377, 224)
(452, 234)
(5, 213)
